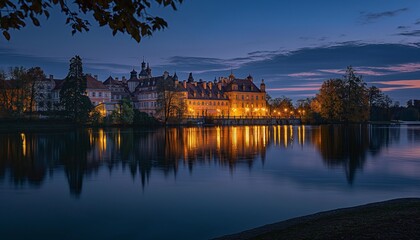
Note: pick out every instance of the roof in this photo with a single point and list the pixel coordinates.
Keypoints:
(204, 93)
(133, 79)
(110, 80)
(92, 83)
(244, 85)
(58, 84)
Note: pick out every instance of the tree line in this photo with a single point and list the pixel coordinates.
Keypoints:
(345, 100)
(24, 95)
(342, 100)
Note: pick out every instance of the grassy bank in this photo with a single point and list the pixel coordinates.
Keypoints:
(394, 219)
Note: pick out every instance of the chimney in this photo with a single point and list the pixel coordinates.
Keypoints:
(124, 80)
(204, 85)
(176, 82)
(210, 85)
(51, 77)
(116, 78)
(195, 84)
(219, 86)
(184, 83)
(95, 76)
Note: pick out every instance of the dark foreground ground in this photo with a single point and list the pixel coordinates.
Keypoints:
(394, 219)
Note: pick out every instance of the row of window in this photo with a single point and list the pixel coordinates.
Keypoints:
(243, 97)
(98, 94)
(148, 104)
(117, 97)
(208, 103)
(148, 96)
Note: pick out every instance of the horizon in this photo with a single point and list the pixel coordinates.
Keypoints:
(292, 52)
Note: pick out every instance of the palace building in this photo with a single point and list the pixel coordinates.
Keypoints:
(222, 97)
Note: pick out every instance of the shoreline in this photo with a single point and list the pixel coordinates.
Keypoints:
(391, 219)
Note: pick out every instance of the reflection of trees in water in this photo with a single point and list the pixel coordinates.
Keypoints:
(348, 145)
(413, 134)
(21, 152)
(28, 157)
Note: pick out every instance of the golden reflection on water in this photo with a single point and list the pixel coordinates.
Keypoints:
(167, 148)
(22, 135)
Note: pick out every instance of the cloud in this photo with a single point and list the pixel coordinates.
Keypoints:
(414, 33)
(294, 89)
(417, 22)
(371, 17)
(399, 84)
(305, 74)
(401, 68)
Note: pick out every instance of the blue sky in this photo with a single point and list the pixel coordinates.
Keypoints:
(293, 45)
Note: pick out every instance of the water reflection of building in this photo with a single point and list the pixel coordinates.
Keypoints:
(27, 158)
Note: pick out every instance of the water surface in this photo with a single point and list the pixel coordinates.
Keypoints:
(195, 183)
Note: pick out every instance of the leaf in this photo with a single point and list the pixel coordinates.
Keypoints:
(6, 35)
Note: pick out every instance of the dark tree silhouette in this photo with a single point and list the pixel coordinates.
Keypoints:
(130, 17)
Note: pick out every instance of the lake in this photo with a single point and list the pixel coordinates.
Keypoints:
(195, 182)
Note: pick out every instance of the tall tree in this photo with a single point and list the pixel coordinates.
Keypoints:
(72, 94)
(124, 113)
(330, 99)
(35, 77)
(356, 98)
(130, 17)
(170, 100)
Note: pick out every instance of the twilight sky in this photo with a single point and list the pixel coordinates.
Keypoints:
(293, 45)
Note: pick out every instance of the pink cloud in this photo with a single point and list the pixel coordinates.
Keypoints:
(405, 68)
(335, 71)
(294, 89)
(399, 84)
(304, 74)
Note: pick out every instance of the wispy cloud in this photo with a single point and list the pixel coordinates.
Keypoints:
(368, 17)
(305, 74)
(399, 85)
(401, 68)
(414, 33)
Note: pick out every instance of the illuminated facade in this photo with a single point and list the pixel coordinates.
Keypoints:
(225, 97)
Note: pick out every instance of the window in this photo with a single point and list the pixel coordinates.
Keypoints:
(99, 94)
(237, 97)
(242, 97)
(93, 95)
(256, 97)
(247, 97)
